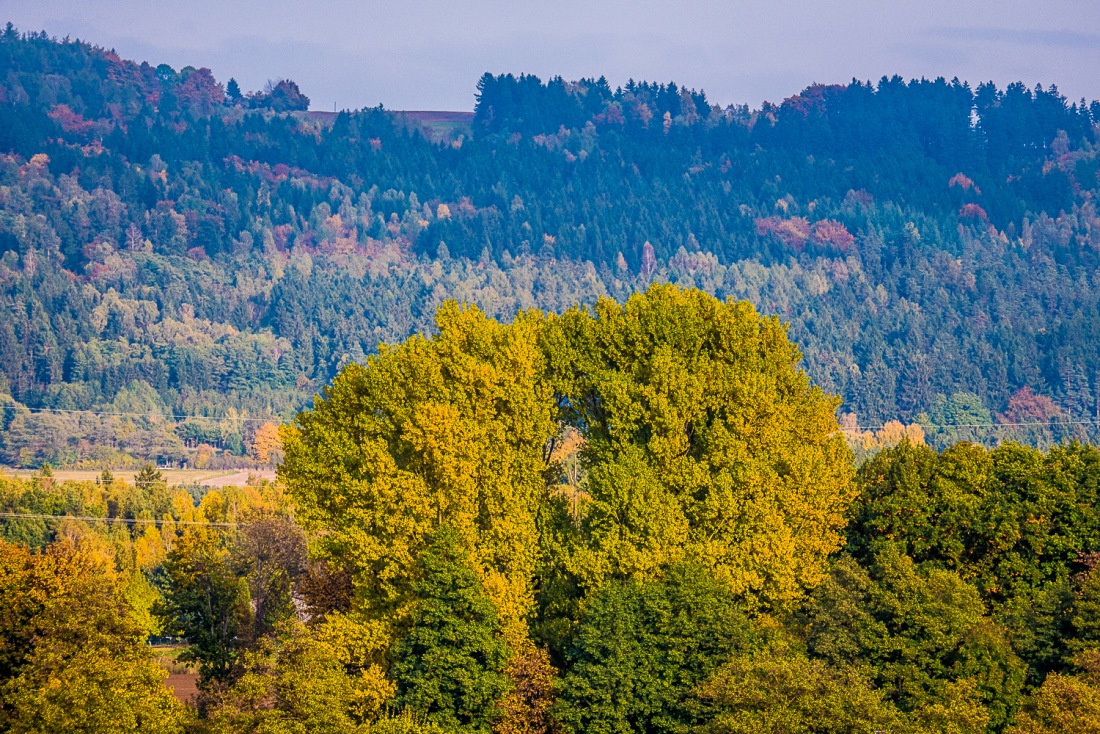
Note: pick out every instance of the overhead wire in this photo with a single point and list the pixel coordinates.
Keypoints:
(1026, 424)
(276, 419)
(125, 520)
(245, 419)
(68, 411)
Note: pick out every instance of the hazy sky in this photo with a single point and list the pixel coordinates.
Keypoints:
(428, 54)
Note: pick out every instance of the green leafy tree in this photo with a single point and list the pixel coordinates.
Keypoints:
(1065, 702)
(206, 603)
(1013, 521)
(927, 505)
(292, 681)
(961, 417)
(923, 632)
(778, 692)
(1084, 614)
(642, 647)
(450, 666)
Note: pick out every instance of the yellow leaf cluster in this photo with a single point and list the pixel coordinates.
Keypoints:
(704, 442)
(675, 426)
(442, 431)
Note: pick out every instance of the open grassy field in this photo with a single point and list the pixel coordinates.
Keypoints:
(437, 125)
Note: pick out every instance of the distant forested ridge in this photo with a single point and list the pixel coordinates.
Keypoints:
(188, 261)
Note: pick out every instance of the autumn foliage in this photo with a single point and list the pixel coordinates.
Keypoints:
(796, 232)
(639, 517)
(572, 500)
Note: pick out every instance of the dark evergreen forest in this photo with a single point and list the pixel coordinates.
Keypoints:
(180, 262)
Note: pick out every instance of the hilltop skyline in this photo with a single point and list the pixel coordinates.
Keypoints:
(346, 55)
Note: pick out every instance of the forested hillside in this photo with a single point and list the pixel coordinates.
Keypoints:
(182, 262)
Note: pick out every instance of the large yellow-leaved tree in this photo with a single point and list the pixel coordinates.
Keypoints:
(696, 435)
(704, 442)
(442, 431)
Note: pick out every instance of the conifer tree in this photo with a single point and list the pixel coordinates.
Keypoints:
(450, 666)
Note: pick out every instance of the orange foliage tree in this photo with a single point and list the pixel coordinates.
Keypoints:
(267, 447)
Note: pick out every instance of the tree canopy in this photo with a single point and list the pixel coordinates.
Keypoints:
(640, 517)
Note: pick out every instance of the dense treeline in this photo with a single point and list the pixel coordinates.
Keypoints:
(632, 518)
(176, 249)
(82, 597)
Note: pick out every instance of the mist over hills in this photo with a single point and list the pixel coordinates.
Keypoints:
(188, 261)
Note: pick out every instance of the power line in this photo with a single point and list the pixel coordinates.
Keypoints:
(126, 520)
(134, 415)
(988, 425)
(1037, 424)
